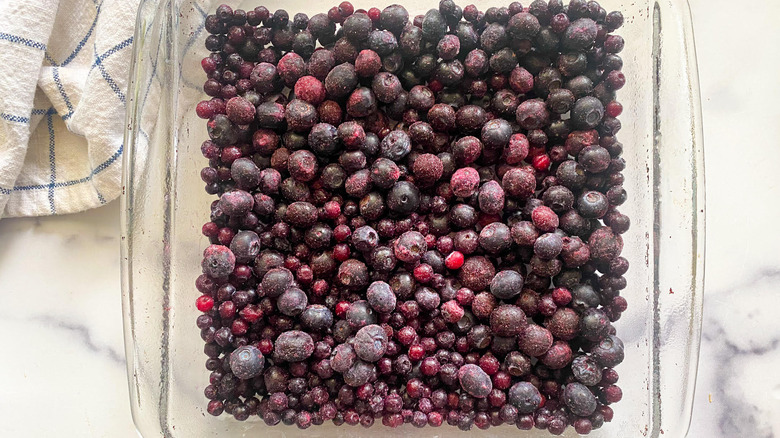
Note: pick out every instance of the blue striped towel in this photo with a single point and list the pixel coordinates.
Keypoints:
(64, 68)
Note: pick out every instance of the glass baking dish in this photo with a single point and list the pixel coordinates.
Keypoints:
(164, 207)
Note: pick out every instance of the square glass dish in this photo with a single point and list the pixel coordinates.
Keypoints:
(164, 207)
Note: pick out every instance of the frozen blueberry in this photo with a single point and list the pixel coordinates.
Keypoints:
(579, 399)
(386, 86)
(495, 238)
(323, 139)
(341, 80)
(293, 346)
(359, 373)
(370, 343)
(292, 302)
(240, 111)
(361, 103)
(507, 320)
(360, 314)
(246, 362)
(594, 324)
(276, 281)
(353, 274)
(474, 381)
(491, 198)
(394, 18)
(519, 183)
(357, 27)
(236, 202)
(384, 173)
(476, 273)
(548, 246)
(427, 298)
(301, 214)
(395, 145)
(586, 370)
(382, 259)
(218, 261)
(525, 397)
(381, 297)
(535, 340)
(365, 238)
(464, 182)
(506, 284)
(316, 317)
(410, 246)
(523, 26)
(609, 352)
(342, 358)
(383, 42)
(496, 133)
(302, 165)
(580, 35)
(245, 246)
(587, 112)
(467, 150)
(434, 26)
(403, 197)
(604, 244)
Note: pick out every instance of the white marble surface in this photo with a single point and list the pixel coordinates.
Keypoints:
(63, 371)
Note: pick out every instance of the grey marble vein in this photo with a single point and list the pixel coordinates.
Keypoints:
(82, 334)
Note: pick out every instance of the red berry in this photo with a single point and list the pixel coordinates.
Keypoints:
(251, 313)
(534, 152)
(341, 252)
(239, 327)
(208, 64)
(242, 273)
(346, 9)
(304, 274)
(541, 162)
(501, 380)
(489, 364)
(341, 308)
(607, 412)
(204, 303)
(210, 229)
(614, 109)
(341, 233)
(465, 296)
(266, 346)
(373, 14)
(332, 210)
(406, 335)
(423, 273)
(335, 16)
(561, 296)
(416, 352)
(320, 288)
(205, 109)
(612, 394)
(414, 388)
(452, 312)
(454, 260)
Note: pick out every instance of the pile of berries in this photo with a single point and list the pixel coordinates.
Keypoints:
(417, 218)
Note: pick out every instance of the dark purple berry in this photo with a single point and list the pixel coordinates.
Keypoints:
(370, 343)
(246, 362)
(293, 346)
(474, 381)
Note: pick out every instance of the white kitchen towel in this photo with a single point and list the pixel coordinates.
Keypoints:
(63, 77)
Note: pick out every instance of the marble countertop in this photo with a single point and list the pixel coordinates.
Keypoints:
(63, 368)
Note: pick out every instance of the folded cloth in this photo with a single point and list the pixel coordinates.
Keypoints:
(64, 67)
